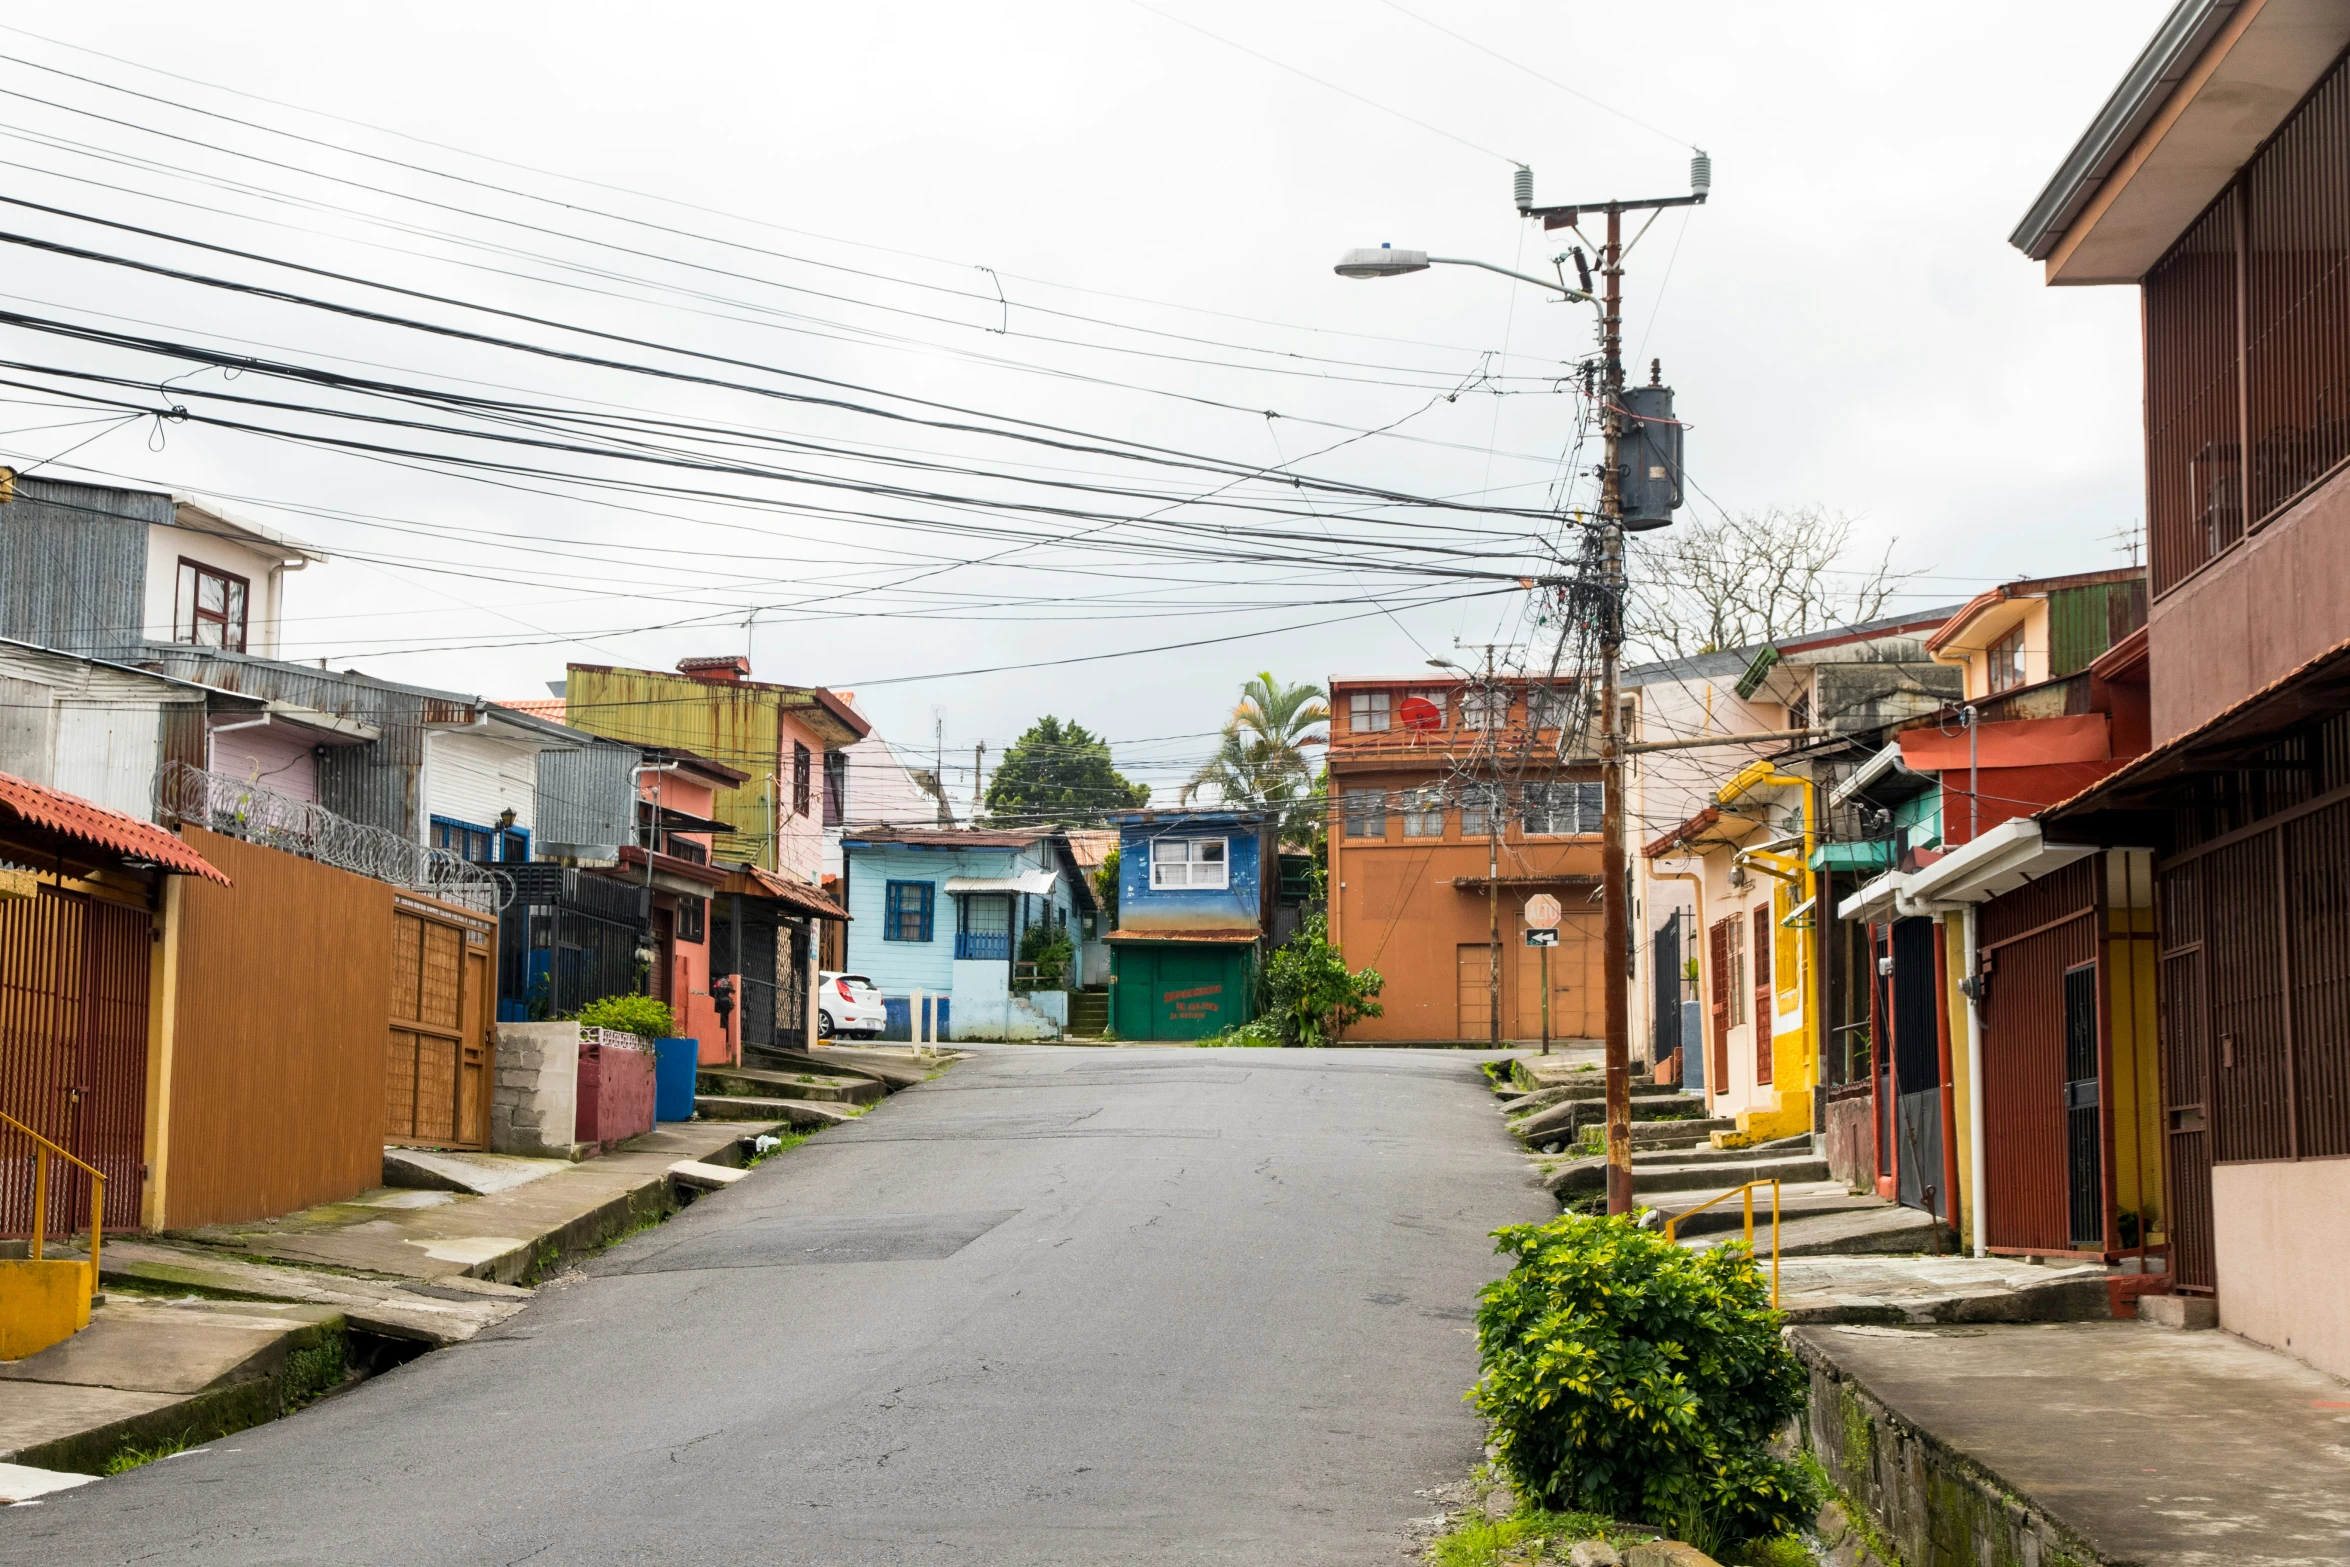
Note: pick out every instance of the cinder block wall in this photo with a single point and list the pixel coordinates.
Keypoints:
(535, 1107)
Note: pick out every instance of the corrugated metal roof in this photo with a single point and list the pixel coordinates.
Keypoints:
(80, 819)
(753, 882)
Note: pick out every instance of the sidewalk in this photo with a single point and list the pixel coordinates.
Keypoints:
(2030, 1444)
(209, 1331)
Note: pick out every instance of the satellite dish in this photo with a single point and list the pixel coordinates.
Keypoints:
(1421, 715)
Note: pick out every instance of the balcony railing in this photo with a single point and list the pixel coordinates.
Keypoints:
(258, 814)
(980, 945)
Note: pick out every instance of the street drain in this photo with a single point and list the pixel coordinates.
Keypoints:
(811, 1241)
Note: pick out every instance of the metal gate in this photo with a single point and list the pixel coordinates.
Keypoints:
(436, 1071)
(1917, 1069)
(73, 1053)
(1665, 976)
(2083, 1128)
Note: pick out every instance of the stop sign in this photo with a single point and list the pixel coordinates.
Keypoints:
(1542, 912)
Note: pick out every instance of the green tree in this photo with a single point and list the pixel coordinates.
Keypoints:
(1260, 761)
(1059, 774)
(1310, 994)
(1105, 888)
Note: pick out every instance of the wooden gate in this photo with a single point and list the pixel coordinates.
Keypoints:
(437, 1071)
(73, 1052)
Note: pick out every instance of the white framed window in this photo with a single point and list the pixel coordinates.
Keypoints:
(1366, 813)
(1367, 711)
(1485, 709)
(1189, 862)
(1423, 813)
(1475, 800)
(1561, 807)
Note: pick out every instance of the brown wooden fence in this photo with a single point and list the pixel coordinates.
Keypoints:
(276, 1064)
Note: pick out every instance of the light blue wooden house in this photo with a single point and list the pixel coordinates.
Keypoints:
(941, 912)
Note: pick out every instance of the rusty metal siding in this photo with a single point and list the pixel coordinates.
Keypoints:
(73, 1052)
(2315, 857)
(587, 796)
(73, 564)
(741, 726)
(277, 1056)
(2031, 938)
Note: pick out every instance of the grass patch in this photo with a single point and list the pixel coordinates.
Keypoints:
(1786, 1551)
(313, 1373)
(785, 1142)
(1526, 1536)
(125, 1459)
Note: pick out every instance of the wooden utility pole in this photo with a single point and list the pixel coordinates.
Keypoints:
(1615, 917)
(1488, 739)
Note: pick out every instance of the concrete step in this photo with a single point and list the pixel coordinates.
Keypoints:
(1714, 1176)
(1647, 1135)
(1782, 1148)
(799, 1112)
(751, 1082)
(1800, 1201)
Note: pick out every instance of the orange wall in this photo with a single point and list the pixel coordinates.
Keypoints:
(1397, 911)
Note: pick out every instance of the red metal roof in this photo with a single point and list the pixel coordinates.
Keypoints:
(753, 882)
(75, 817)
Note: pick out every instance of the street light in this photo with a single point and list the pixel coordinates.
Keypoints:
(1387, 261)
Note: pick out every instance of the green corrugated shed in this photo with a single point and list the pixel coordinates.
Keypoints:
(2084, 622)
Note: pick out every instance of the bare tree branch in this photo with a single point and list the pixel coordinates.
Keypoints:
(1781, 572)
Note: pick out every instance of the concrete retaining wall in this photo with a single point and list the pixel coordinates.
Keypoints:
(1936, 1506)
(534, 1108)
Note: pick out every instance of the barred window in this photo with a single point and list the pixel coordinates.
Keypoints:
(1474, 803)
(1366, 813)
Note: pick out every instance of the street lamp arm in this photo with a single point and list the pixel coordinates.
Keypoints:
(1523, 277)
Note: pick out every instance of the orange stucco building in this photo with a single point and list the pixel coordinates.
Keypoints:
(1419, 875)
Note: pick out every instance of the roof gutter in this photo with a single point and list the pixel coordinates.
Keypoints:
(2165, 62)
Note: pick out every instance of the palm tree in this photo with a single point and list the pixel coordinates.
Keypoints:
(1260, 758)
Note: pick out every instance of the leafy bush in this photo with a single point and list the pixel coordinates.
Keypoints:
(1629, 1377)
(1310, 995)
(639, 1015)
(1050, 950)
(1256, 1034)
(1105, 888)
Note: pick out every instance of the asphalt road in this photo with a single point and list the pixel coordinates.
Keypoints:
(1058, 1306)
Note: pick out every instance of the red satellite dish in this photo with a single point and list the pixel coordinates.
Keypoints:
(1421, 714)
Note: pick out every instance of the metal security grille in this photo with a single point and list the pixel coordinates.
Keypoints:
(2248, 343)
(2084, 1166)
(73, 1053)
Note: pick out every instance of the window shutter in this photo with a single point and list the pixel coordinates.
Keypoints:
(1763, 1009)
(1720, 952)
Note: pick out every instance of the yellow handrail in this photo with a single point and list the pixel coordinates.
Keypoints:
(1673, 1224)
(42, 1149)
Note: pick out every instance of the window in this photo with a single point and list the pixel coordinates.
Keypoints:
(1562, 807)
(1737, 969)
(1366, 813)
(1485, 709)
(505, 845)
(1551, 707)
(836, 788)
(907, 908)
(2005, 660)
(1423, 813)
(800, 781)
(691, 912)
(1799, 710)
(1474, 801)
(1366, 712)
(1189, 862)
(210, 610)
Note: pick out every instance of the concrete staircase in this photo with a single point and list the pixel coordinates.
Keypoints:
(1089, 1014)
(750, 1093)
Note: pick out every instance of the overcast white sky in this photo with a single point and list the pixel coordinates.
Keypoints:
(1845, 322)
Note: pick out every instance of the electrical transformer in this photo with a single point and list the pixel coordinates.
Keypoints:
(1651, 455)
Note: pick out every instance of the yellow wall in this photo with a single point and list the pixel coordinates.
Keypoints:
(2137, 1088)
(1962, 1082)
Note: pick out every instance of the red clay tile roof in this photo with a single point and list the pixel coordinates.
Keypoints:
(549, 708)
(75, 817)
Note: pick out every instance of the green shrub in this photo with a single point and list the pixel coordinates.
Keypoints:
(1629, 1377)
(640, 1015)
(1310, 995)
(1050, 950)
(1256, 1034)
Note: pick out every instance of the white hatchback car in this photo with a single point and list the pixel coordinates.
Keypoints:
(848, 1007)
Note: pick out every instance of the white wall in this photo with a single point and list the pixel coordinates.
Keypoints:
(85, 729)
(2283, 1273)
(476, 777)
(881, 792)
(276, 756)
(264, 607)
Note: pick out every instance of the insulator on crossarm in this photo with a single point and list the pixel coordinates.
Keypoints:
(1701, 174)
(1522, 184)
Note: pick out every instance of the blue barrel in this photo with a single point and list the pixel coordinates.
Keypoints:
(675, 1061)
